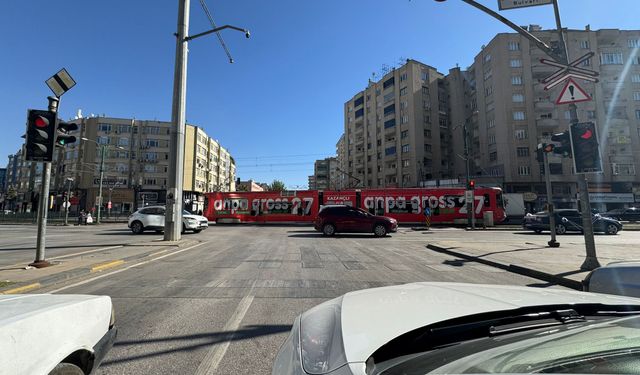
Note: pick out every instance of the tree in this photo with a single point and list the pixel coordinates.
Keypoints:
(277, 185)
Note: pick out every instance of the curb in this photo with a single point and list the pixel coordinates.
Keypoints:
(77, 272)
(551, 278)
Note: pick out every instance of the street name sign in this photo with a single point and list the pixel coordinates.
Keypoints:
(514, 4)
(572, 93)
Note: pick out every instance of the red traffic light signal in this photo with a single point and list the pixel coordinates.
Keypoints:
(40, 135)
(586, 150)
(472, 184)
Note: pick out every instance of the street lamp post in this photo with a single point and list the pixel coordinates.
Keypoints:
(67, 204)
(103, 149)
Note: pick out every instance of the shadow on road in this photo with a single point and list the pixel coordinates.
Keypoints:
(193, 342)
(350, 235)
(64, 247)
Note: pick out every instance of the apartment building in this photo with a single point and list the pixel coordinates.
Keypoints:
(341, 152)
(325, 174)
(397, 131)
(136, 166)
(515, 113)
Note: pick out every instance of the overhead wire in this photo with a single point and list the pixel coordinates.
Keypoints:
(213, 24)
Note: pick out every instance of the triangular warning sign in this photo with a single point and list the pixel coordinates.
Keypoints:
(572, 93)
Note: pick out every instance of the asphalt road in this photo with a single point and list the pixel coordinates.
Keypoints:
(225, 306)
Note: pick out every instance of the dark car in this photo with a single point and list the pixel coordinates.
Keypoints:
(568, 220)
(624, 214)
(345, 219)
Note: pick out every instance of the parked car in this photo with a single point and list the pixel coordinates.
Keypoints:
(624, 214)
(334, 219)
(622, 278)
(152, 218)
(454, 328)
(54, 334)
(568, 220)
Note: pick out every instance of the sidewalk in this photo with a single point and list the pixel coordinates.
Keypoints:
(529, 255)
(18, 278)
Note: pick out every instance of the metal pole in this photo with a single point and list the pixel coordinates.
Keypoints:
(40, 261)
(109, 203)
(68, 206)
(467, 167)
(102, 149)
(173, 216)
(552, 217)
(591, 258)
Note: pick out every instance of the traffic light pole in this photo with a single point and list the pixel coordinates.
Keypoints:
(552, 216)
(173, 218)
(43, 207)
(102, 150)
(67, 206)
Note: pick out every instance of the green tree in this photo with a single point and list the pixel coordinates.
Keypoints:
(277, 185)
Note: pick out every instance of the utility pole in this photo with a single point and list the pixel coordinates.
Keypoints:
(43, 207)
(102, 150)
(591, 259)
(552, 216)
(67, 205)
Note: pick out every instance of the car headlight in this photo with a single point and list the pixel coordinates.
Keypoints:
(321, 338)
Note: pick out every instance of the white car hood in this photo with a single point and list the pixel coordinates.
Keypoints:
(372, 317)
(21, 306)
(195, 217)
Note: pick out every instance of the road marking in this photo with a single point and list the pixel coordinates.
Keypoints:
(22, 289)
(86, 252)
(107, 265)
(213, 358)
(124, 269)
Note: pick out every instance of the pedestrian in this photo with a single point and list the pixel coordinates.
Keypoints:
(81, 217)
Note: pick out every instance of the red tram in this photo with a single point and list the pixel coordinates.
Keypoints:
(448, 205)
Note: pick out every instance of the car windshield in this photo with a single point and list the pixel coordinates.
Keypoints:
(607, 347)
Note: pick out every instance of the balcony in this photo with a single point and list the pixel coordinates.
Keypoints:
(547, 123)
(545, 106)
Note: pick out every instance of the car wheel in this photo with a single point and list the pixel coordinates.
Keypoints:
(380, 230)
(329, 229)
(611, 229)
(66, 369)
(538, 231)
(197, 230)
(137, 227)
(561, 229)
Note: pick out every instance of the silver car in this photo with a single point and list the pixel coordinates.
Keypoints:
(152, 218)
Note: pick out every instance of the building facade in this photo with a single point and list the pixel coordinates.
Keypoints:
(325, 174)
(397, 130)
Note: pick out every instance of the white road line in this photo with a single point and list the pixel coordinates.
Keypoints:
(212, 360)
(86, 252)
(126, 268)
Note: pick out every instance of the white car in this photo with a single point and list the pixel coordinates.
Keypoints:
(152, 218)
(54, 334)
(464, 328)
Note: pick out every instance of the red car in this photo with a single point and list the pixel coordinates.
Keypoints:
(345, 219)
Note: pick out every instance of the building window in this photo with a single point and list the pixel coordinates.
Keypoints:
(403, 77)
(403, 91)
(586, 62)
(404, 134)
(591, 115)
(487, 74)
(153, 143)
(567, 115)
(636, 96)
(424, 76)
(521, 134)
(623, 169)
(515, 63)
(389, 124)
(151, 130)
(611, 58)
(404, 119)
(493, 156)
(360, 113)
(124, 129)
(524, 170)
(517, 98)
(516, 80)
(406, 163)
(635, 78)
(487, 57)
(492, 139)
(389, 110)
(104, 140)
(104, 128)
(635, 60)
(404, 105)
(150, 168)
(427, 147)
(488, 90)
(389, 97)
(633, 43)
(358, 102)
(514, 46)
(522, 151)
(491, 123)
(150, 156)
(637, 114)
(405, 148)
(123, 142)
(390, 151)
(388, 83)
(518, 115)
(584, 44)
(427, 132)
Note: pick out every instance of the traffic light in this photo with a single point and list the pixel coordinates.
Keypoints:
(471, 184)
(565, 144)
(64, 128)
(586, 151)
(40, 135)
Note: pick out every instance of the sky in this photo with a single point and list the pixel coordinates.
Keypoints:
(279, 106)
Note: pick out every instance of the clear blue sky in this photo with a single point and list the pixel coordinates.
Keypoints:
(284, 94)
